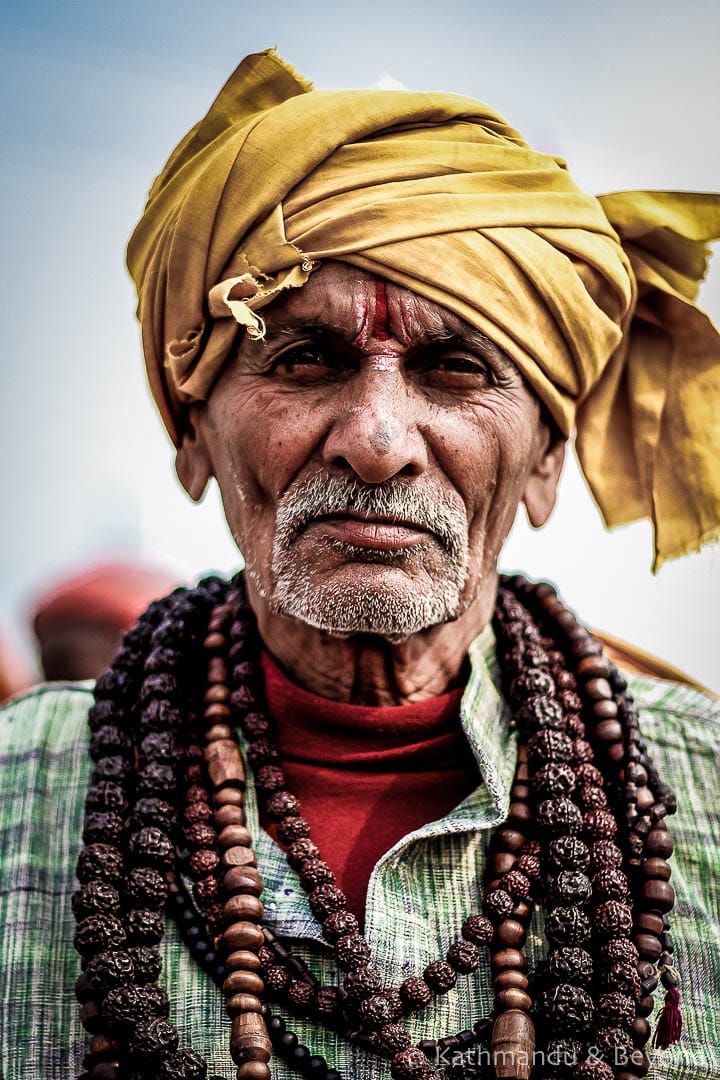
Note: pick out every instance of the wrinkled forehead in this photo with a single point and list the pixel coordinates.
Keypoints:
(358, 305)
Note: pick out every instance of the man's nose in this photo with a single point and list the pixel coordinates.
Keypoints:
(376, 432)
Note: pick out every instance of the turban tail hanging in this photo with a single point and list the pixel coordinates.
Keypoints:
(593, 299)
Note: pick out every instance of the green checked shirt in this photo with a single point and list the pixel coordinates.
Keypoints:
(418, 895)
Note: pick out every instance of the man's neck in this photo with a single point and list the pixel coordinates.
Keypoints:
(366, 669)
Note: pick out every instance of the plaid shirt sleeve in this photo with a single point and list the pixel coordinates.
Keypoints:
(418, 894)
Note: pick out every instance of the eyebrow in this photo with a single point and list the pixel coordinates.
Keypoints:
(464, 338)
(329, 332)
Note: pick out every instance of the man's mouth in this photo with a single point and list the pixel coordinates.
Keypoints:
(372, 531)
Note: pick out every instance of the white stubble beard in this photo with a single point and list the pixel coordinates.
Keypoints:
(417, 597)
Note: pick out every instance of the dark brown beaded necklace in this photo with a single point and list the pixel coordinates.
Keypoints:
(585, 834)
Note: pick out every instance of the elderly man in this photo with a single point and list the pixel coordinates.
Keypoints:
(390, 814)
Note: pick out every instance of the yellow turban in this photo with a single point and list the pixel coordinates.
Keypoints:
(591, 298)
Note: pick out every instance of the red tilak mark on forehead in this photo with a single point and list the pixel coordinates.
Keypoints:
(380, 326)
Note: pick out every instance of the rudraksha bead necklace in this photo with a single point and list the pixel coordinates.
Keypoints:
(591, 843)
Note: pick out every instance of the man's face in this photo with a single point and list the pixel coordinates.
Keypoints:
(371, 453)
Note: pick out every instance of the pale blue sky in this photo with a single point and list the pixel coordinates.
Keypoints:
(95, 96)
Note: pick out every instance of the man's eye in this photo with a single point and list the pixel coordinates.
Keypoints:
(303, 356)
(461, 364)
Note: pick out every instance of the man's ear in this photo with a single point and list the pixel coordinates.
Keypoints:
(193, 463)
(541, 487)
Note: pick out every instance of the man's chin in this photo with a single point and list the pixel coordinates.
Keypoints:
(358, 598)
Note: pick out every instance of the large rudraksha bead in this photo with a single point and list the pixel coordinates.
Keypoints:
(567, 925)
(589, 774)
(478, 929)
(113, 684)
(100, 861)
(95, 898)
(375, 1012)
(391, 1038)
(559, 816)
(157, 780)
(150, 811)
(262, 752)
(613, 1045)
(102, 828)
(498, 904)
(592, 797)
(113, 768)
(569, 853)
(611, 884)
(199, 835)
(107, 795)
(325, 899)
(127, 1005)
(569, 1008)
(613, 918)
(571, 964)
(203, 862)
(410, 1064)
(464, 957)
(159, 715)
(563, 1055)
(571, 887)
(153, 846)
(553, 780)
(145, 887)
(282, 804)
(147, 964)
(619, 949)
(338, 924)
(606, 855)
(547, 746)
(440, 976)
(109, 740)
(530, 866)
(314, 872)
(362, 982)
(152, 1039)
(182, 1065)
(98, 932)
(539, 713)
(616, 1009)
(301, 850)
(600, 824)
(582, 752)
(161, 686)
(255, 726)
(327, 1004)
(270, 778)
(533, 681)
(197, 811)
(159, 746)
(415, 992)
(276, 979)
(292, 828)
(104, 712)
(110, 969)
(623, 976)
(300, 997)
(352, 951)
(144, 927)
